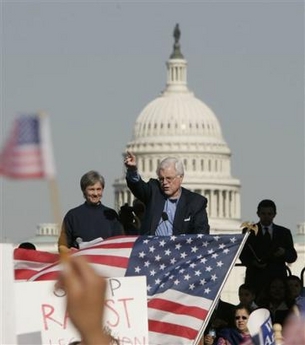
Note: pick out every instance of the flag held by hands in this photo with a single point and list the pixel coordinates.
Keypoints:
(28, 153)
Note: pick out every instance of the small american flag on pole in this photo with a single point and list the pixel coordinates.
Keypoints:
(27, 152)
(185, 275)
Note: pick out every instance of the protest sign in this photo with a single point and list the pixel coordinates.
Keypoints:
(42, 318)
(260, 327)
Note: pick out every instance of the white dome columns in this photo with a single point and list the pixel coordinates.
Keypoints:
(223, 203)
(176, 75)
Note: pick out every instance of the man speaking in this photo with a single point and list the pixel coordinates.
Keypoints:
(170, 208)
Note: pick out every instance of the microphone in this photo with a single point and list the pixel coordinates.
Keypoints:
(77, 242)
(164, 217)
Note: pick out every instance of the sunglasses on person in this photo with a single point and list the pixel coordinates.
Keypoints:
(241, 317)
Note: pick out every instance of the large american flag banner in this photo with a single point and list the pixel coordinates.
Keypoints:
(185, 275)
(27, 153)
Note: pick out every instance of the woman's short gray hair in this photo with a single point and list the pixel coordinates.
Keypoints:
(169, 161)
(91, 178)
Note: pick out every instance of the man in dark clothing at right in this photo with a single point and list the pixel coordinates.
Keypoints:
(265, 255)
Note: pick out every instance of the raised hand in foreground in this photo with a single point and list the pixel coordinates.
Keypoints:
(85, 300)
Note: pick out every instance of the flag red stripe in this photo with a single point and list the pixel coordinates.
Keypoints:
(46, 276)
(177, 308)
(23, 274)
(109, 260)
(37, 256)
(172, 329)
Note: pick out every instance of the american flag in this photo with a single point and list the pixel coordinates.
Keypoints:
(185, 275)
(27, 152)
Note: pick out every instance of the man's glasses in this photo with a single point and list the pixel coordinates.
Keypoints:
(167, 179)
(241, 317)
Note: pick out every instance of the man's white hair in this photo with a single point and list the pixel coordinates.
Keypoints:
(169, 161)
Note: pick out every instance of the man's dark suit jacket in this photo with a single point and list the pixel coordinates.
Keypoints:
(276, 267)
(190, 216)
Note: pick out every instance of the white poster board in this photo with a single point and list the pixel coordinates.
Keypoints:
(260, 327)
(41, 317)
(7, 308)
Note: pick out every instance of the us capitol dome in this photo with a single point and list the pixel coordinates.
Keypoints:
(178, 124)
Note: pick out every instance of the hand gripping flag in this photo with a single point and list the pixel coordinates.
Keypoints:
(185, 275)
(27, 152)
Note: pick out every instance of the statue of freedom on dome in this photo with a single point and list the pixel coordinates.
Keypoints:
(177, 33)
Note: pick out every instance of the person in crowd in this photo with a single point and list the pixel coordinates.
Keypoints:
(27, 245)
(295, 288)
(131, 217)
(170, 208)
(265, 255)
(128, 220)
(139, 210)
(236, 335)
(246, 295)
(92, 219)
(209, 337)
(275, 299)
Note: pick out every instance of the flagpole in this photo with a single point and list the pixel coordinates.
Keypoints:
(49, 169)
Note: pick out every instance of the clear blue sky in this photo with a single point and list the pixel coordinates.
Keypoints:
(93, 66)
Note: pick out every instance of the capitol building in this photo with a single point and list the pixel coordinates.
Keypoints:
(176, 123)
